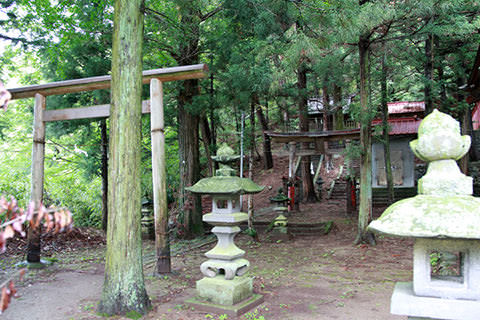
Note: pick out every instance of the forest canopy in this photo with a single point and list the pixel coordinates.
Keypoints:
(266, 59)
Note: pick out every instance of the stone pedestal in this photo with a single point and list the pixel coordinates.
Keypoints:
(225, 292)
(405, 302)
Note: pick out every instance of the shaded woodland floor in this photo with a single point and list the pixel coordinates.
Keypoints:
(309, 277)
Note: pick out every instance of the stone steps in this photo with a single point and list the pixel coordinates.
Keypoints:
(297, 229)
(380, 195)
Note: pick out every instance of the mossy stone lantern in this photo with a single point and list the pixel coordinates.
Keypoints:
(225, 287)
(444, 219)
(280, 229)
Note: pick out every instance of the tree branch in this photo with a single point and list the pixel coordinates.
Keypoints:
(211, 13)
(161, 17)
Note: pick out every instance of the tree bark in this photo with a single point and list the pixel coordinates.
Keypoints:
(250, 164)
(428, 73)
(188, 146)
(474, 156)
(326, 110)
(267, 148)
(104, 150)
(365, 208)
(207, 138)
(337, 100)
(188, 122)
(124, 288)
(308, 187)
(386, 136)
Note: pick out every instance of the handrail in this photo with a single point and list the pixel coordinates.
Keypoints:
(103, 82)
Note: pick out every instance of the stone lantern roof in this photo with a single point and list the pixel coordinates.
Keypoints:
(225, 182)
(444, 206)
(226, 185)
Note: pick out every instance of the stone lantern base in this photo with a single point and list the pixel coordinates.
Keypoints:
(232, 297)
(405, 302)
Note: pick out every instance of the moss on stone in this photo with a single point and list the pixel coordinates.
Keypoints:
(225, 185)
(431, 216)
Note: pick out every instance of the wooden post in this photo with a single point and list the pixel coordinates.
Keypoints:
(160, 208)
(38, 157)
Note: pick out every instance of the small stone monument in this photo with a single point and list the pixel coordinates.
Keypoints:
(279, 229)
(225, 289)
(444, 219)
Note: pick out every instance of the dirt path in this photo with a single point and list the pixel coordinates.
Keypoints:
(59, 297)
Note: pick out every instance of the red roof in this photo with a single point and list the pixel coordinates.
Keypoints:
(406, 107)
(406, 125)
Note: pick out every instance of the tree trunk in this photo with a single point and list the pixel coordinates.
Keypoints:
(365, 208)
(250, 164)
(474, 156)
(267, 149)
(308, 187)
(428, 73)
(213, 141)
(188, 123)
(206, 138)
(189, 161)
(326, 110)
(386, 136)
(104, 150)
(463, 162)
(337, 100)
(124, 287)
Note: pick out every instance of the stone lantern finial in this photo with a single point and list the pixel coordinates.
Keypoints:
(225, 155)
(439, 138)
(440, 143)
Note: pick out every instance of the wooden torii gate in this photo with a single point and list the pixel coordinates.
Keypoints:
(319, 140)
(154, 106)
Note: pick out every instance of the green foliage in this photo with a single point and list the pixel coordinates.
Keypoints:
(65, 185)
(253, 48)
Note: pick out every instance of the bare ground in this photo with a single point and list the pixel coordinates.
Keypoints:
(315, 277)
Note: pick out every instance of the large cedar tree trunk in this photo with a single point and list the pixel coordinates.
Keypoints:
(267, 148)
(337, 100)
(188, 123)
(207, 138)
(124, 288)
(188, 147)
(428, 73)
(386, 136)
(308, 187)
(365, 208)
